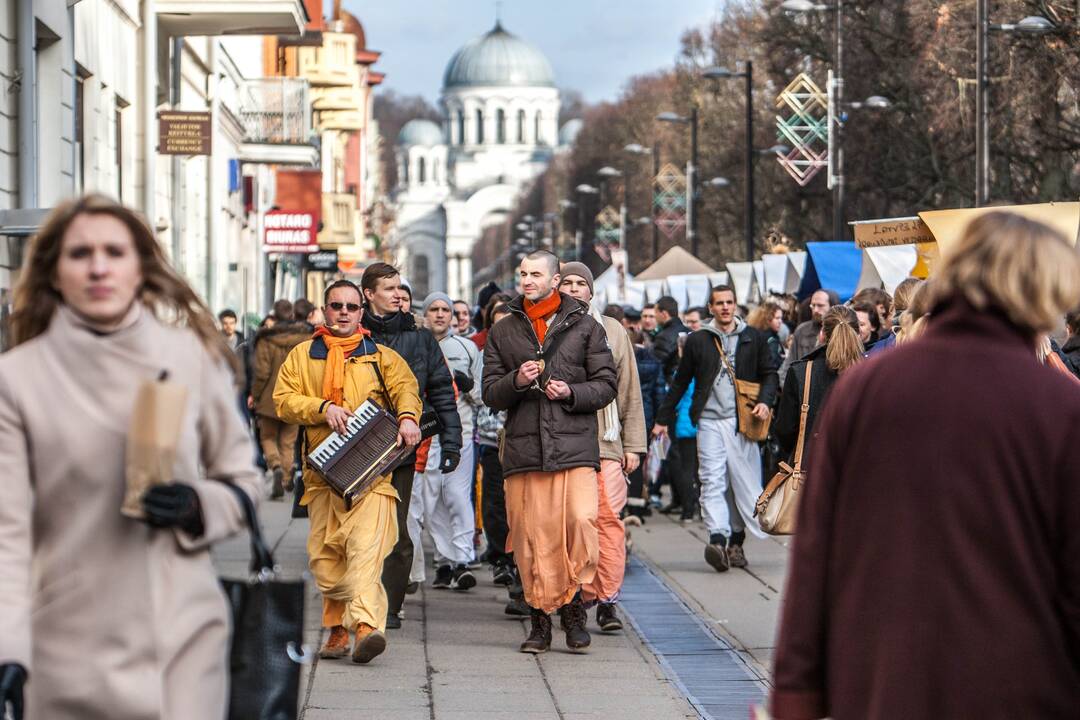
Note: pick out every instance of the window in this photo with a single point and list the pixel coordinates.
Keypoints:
(119, 150)
(537, 135)
(500, 126)
(479, 127)
(461, 127)
(435, 172)
(521, 126)
(422, 171)
(405, 171)
(80, 133)
(420, 275)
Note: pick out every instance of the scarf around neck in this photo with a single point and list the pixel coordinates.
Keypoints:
(540, 312)
(337, 349)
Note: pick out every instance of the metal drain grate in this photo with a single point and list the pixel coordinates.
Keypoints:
(703, 666)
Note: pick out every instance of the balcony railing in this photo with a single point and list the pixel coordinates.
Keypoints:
(276, 110)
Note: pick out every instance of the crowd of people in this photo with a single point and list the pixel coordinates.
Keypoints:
(527, 418)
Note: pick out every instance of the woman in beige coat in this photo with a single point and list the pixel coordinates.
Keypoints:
(103, 616)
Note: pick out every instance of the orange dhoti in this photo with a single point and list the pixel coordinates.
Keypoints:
(611, 566)
(553, 533)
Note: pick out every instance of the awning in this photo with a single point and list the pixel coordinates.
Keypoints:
(887, 266)
(948, 226)
(832, 266)
(743, 280)
(675, 261)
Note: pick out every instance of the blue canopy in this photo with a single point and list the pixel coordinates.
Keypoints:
(831, 266)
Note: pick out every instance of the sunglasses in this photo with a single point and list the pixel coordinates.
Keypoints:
(352, 307)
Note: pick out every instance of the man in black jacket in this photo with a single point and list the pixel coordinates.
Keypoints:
(396, 329)
(723, 452)
(666, 343)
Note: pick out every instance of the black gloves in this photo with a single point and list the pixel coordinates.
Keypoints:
(464, 382)
(174, 506)
(449, 462)
(12, 680)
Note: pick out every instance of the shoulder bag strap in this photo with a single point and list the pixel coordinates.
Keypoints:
(804, 410)
(724, 358)
(262, 561)
(385, 391)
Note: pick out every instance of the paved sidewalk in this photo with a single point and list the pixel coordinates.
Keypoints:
(456, 657)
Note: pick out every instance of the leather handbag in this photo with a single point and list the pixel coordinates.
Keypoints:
(778, 504)
(268, 622)
(746, 399)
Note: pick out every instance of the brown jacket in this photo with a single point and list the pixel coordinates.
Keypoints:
(631, 412)
(112, 618)
(541, 434)
(936, 567)
(272, 346)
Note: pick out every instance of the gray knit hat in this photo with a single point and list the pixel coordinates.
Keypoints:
(581, 270)
(435, 297)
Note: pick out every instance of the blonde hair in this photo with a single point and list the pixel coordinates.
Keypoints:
(163, 291)
(843, 348)
(1021, 267)
(913, 321)
(762, 315)
(905, 291)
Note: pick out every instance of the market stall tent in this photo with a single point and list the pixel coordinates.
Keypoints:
(834, 265)
(887, 266)
(675, 261)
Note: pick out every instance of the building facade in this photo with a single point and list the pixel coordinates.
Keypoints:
(500, 130)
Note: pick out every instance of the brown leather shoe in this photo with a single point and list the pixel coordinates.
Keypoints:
(736, 556)
(337, 644)
(370, 643)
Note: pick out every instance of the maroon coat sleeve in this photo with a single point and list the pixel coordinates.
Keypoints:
(1069, 556)
(799, 691)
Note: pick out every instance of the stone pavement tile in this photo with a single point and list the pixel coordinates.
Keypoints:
(361, 714)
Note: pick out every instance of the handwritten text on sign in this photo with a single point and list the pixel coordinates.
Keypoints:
(290, 232)
(900, 231)
(184, 133)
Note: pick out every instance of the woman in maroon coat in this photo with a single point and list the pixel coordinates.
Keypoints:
(936, 570)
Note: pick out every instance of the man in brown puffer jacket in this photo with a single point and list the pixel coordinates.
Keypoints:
(278, 439)
(548, 365)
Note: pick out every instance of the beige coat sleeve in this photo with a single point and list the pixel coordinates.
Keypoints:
(631, 409)
(226, 454)
(16, 546)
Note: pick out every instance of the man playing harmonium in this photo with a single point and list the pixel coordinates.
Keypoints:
(321, 383)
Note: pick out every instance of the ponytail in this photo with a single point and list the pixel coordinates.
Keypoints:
(842, 345)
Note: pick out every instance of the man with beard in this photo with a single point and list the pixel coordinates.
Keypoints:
(549, 367)
(395, 327)
(723, 451)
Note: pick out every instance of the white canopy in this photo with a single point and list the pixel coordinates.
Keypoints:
(887, 266)
(744, 280)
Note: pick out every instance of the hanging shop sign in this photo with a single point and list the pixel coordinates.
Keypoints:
(322, 261)
(184, 133)
(290, 232)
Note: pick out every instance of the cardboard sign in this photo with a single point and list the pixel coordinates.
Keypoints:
(894, 231)
(290, 232)
(184, 133)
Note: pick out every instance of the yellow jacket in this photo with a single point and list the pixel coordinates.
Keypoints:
(298, 392)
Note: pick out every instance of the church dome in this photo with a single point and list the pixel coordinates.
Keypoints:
(420, 132)
(498, 59)
(570, 131)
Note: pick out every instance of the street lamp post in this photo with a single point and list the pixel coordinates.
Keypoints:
(579, 237)
(748, 160)
(691, 173)
(641, 150)
(1031, 25)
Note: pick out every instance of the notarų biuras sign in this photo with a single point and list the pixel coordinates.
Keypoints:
(290, 232)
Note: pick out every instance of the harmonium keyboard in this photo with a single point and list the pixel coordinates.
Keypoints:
(351, 463)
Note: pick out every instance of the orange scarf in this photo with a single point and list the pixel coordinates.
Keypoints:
(338, 348)
(539, 313)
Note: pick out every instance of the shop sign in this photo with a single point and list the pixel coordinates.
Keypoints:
(184, 133)
(322, 261)
(886, 233)
(290, 232)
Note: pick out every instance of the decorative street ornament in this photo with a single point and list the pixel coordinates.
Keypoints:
(608, 226)
(806, 129)
(669, 200)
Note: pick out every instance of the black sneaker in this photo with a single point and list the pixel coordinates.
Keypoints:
(393, 621)
(502, 574)
(716, 553)
(607, 618)
(462, 579)
(443, 577)
(517, 608)
(276, 490)
(412, 588)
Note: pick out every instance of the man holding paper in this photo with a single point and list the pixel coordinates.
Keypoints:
(320, 384)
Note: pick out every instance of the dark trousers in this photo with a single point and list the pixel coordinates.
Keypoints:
(398, 563)
(493, 505)
(684, 479)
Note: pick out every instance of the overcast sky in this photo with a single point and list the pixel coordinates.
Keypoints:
(594, 46)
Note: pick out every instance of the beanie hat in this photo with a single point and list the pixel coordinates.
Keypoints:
(579, 269)
(436, 297)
